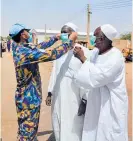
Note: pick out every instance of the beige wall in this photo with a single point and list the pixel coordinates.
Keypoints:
(121, 44)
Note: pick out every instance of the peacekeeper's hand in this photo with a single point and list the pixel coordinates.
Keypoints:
(78, 52)
(48, 99)
(58, 36)
(73, 36)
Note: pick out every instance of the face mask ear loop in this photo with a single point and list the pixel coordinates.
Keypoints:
(30, 40)
(92, 40)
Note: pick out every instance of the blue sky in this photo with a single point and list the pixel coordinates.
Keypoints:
(55, 13)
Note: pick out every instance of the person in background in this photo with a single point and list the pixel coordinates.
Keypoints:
(8, 45)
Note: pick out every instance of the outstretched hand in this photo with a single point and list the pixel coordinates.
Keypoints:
(58, 36)
(78, 52)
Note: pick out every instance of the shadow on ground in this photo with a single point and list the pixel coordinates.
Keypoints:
(51, 138)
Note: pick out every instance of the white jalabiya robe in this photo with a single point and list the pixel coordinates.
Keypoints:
(107, 103)
(67, 125)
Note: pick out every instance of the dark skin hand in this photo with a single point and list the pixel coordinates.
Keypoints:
(48, 99)
(78, 52)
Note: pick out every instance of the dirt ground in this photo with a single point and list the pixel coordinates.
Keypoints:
(9, 118)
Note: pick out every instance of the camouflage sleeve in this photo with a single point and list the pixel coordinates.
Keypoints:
(44, 45)
(35, 55)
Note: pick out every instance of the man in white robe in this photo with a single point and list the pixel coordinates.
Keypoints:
(66, 96)
(107, 104)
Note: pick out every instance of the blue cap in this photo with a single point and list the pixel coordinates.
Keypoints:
(16, 28)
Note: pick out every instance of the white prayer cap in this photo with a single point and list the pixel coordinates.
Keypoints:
(73, 26)
(109, 31)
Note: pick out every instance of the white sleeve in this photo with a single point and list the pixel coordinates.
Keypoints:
(92, 75)
(52, 78)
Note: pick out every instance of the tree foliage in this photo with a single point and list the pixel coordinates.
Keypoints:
(126, 36)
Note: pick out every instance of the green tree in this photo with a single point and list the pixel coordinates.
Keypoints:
(1, 38)
(126, 36)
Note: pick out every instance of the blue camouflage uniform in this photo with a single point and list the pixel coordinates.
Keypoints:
(28, 94)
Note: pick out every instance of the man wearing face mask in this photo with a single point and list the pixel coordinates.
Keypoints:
(28, 96)
(68, 101)
(107, 103)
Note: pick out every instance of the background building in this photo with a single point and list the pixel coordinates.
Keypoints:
(44, 35)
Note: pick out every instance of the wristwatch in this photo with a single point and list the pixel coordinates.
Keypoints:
(49, 94)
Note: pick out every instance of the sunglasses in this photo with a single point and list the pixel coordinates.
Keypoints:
(64, 32)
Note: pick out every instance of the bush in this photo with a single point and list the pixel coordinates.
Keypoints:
(126, 36)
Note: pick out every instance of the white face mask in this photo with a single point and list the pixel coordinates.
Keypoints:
(92, 40)
(64, 37)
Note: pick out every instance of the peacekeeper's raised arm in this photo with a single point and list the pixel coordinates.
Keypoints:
(30, 55)
(49, 43)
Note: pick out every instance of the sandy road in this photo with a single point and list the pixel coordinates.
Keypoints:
(9, 119)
